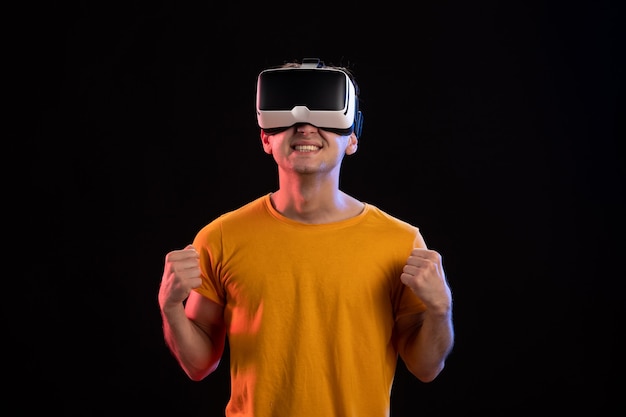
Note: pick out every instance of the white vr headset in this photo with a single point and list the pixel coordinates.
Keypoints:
(321, 96)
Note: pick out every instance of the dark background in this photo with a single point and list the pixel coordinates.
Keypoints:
(496, 127)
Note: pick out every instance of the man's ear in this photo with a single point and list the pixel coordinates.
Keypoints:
(353, 144)
(265, 141)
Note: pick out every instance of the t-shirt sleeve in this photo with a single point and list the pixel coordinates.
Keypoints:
(409, 303)
(208, 244)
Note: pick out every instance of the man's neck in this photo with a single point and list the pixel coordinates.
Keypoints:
(315, 205)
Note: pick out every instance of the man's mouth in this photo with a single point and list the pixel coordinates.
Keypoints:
(306, 148)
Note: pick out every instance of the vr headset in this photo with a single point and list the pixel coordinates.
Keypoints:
(321, 96)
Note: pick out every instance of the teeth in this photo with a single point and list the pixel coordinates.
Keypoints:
(306, 148)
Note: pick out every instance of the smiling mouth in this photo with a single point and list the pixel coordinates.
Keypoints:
(306, 148)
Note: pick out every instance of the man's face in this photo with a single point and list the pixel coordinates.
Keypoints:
(306, 149)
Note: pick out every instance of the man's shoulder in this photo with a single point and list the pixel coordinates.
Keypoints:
(248, 210)
(377, 214)
(251, 208)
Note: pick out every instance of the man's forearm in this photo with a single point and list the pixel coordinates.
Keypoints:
(191, 346)
(427, 349)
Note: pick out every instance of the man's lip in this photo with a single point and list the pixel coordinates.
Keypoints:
(309, 142)
(305, 143)
(309, 147)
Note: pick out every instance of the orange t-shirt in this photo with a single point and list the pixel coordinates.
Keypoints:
(309, 308)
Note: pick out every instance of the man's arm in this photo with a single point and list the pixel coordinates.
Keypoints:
(425, 340)
(424, 343)
(195, 331)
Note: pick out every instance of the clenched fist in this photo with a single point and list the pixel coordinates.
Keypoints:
(424, 274)
(181, 274)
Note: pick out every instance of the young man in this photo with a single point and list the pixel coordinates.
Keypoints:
(317, 292)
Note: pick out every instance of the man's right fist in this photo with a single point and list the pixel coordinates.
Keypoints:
(181, 274)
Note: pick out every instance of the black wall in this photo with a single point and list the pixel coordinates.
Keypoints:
(497, 128)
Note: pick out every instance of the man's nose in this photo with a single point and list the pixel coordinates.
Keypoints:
(306, 128)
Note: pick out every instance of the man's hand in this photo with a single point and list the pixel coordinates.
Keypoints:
(424, 274)
(181, 274)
